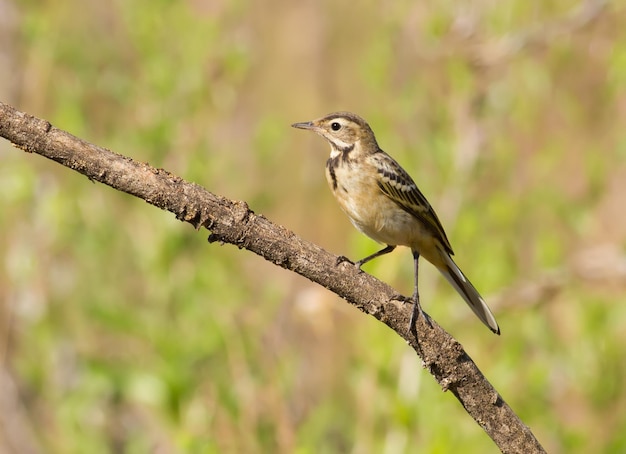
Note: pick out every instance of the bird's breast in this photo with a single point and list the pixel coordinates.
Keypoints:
(355, 186)
(372, 212)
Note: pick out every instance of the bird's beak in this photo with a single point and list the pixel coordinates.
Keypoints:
(304, 125)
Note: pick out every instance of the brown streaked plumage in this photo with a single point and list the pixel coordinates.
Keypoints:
(383, 201)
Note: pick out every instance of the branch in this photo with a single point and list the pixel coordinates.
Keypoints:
(233, 222)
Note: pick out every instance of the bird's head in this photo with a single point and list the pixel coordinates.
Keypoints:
(344, 131)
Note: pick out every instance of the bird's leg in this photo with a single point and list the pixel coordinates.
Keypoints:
(362, 262)
(383, 251)
(417, 308)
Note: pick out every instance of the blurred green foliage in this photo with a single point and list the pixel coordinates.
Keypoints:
(124, 331)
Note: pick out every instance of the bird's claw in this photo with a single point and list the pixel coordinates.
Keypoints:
(402, 299)
(415, 313)
(343, 259)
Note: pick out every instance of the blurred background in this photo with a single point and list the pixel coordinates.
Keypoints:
(123, 330)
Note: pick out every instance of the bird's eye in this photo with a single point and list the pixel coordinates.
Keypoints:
(335, 126)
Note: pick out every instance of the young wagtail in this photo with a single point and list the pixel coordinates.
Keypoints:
(383, 201)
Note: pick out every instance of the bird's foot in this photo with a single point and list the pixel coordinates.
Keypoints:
(415, 314)
(401, 298)
(343, 259)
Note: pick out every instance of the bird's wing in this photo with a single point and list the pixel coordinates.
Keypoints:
(398, 185)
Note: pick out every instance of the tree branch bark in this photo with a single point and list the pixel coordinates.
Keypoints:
(235, 223)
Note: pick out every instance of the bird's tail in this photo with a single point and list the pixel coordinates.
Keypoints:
(455, 276)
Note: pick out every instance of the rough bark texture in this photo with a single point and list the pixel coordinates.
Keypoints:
(233, 222)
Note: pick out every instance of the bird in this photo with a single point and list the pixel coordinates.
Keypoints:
(383, 202)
